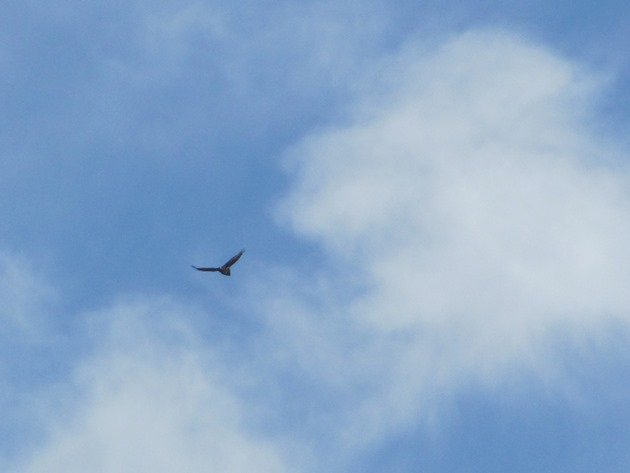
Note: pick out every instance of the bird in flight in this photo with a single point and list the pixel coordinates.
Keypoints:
(225, 269)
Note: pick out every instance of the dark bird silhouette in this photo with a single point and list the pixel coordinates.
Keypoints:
(225, 269)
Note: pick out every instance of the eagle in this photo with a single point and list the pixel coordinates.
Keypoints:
(225, 269)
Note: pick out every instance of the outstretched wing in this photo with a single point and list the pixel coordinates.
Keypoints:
(206, 269)
(234, 259)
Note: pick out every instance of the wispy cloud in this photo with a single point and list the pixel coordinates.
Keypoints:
(150, 397)
(25, 298)
(478, 208)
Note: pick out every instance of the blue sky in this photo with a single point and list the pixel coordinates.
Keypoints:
(434, 199)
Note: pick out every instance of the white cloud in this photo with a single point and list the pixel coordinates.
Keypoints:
(151, 398)
(480, 211)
